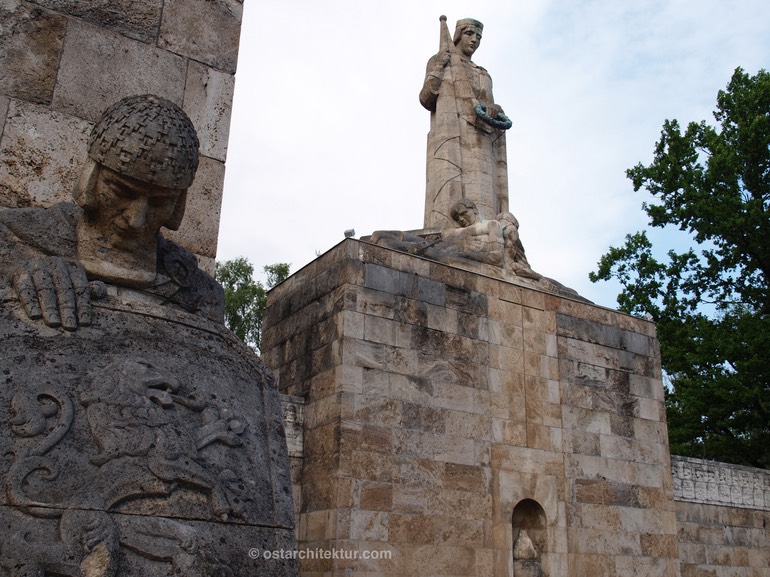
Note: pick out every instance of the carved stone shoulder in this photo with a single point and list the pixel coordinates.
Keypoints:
(191, 288)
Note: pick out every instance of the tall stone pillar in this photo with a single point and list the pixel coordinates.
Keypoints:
(63, 63)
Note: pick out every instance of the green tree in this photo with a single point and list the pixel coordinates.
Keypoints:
(711, 302)
(245, 298)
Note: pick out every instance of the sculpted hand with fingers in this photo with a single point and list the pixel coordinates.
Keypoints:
(55, 289)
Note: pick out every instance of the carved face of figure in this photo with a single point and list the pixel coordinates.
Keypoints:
(465, 216)
(130, 212)
(469, 41)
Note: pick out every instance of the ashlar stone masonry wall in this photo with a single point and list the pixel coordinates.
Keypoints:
(723, 514)
(62, 63)
(447, 414)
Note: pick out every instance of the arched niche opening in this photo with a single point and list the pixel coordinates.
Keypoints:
(530, 539)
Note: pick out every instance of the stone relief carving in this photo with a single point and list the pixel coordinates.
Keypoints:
(466, 155)
(140, 440)
(142, 158)
(148, 439)
(293, 420)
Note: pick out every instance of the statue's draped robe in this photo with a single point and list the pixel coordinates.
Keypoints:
(466, 157)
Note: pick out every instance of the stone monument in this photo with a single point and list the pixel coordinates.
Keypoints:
(463, 415)
(467, 219)
(466, 155)
(140, 437)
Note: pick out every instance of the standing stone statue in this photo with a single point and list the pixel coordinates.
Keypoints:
(466, 155)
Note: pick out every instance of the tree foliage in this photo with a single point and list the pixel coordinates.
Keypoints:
(711, 302)
(246, 298)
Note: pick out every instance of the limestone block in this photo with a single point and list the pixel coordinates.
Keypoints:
(538, 320)
(203, 30)
(509, 432)
(388, 280)
(410, 529)
(444, 560)
(643, 566)
(200, 226)
(208, 101)
(369, 525)
(449, 530)
(442, 319)
(469, 425)
(31, 45)
(380, 330)
(452, 449)
(376, 496)
(425, 418)
(137, 19)
(99, 67)
(41, 154)
(368, 466)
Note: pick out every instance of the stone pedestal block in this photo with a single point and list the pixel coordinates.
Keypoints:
(446, 410)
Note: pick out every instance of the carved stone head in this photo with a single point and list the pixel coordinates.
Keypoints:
(142, 157)
(467, 36)
(464, 212)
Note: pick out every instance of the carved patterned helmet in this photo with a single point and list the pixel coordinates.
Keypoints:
(148, 138)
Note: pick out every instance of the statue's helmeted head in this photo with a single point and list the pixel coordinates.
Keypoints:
(463, 25)
(147, 138)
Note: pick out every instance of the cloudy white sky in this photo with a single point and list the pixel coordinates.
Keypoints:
(327, 133)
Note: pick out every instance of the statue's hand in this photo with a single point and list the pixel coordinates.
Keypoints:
(494, 110)
(437, 63)
(55, 289)
(444, 58)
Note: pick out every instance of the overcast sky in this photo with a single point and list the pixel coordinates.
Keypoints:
(327, 133)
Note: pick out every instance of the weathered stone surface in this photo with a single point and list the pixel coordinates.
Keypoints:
(112, 50)
(722, 540)
(202, 30)
(137, 19)
(709, 482)
(31, 45)
(208, 97)
(113, 423)
(446, 405)
(41, 155)
(200, 227)
(4, 101)
(86, 86)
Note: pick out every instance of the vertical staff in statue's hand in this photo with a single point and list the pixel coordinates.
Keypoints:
(434, 74)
